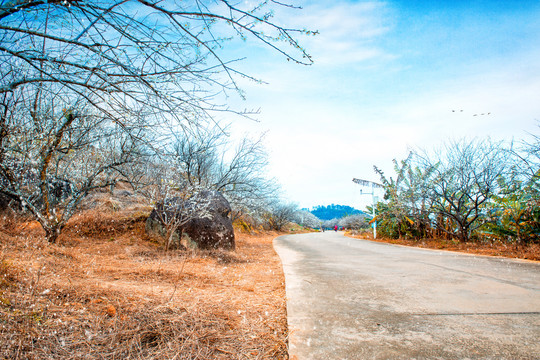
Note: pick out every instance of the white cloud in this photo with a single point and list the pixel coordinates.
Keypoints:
(347, 32)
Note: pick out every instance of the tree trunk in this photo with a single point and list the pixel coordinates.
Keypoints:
(169, 239)
(52, 233)
(463, 233)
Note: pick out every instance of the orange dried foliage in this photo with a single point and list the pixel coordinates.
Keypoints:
(106, 291)
(110, 311)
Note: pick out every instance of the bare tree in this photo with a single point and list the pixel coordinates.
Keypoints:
(206, 159)
(279, 215)
(466, 176)
(55, 152)
(86, 85)
(176, 203)
(528, 160)
(135, 56)
(197, 155)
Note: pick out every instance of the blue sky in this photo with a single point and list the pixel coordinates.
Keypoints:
(386, 78)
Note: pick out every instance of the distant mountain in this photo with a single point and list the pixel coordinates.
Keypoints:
(333, 211)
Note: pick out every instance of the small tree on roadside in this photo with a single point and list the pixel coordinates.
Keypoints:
(176, 202)
(175, 212)
(279, 215)
(465, 178)
(354, 222)
(306, 219)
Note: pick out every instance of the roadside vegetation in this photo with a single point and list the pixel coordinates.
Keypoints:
(108, 108)
(472, 195)
(93, 95)
(106, 291)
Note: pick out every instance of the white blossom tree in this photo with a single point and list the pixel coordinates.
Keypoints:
(354, 222)
(280, 214)
(176, 203)
(305, 218)
(465, 177)
(84, 86)
(54, 153)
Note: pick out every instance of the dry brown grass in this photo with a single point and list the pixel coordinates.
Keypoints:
(106, 292)
(489, 248)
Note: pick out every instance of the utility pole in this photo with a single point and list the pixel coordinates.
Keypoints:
(374, 198)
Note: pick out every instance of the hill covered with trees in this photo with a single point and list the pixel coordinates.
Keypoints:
(333, 211)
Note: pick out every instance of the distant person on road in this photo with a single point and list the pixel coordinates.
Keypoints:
(335, 228)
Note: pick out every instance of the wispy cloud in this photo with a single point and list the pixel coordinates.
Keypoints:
(347, 31)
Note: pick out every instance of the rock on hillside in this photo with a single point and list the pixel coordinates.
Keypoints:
(212, 230)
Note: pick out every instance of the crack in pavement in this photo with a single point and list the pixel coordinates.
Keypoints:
(475, 314)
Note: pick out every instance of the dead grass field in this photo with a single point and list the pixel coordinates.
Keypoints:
(495, 248)
(106, 292)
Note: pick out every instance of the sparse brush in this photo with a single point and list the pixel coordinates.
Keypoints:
(88, 297)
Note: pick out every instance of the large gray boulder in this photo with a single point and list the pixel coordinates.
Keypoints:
(208, 225)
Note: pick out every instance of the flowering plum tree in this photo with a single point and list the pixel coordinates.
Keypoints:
(52, 156)
(84, 86)
(207, 158)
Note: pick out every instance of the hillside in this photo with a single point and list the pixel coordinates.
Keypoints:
(106, 291)
(333, 211)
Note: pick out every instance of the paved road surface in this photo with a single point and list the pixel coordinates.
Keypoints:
(356, 299)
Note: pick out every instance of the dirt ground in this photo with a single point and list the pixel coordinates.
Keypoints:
(104, 291)
(490, 248)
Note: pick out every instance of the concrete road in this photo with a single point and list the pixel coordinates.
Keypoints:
(357, 299)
